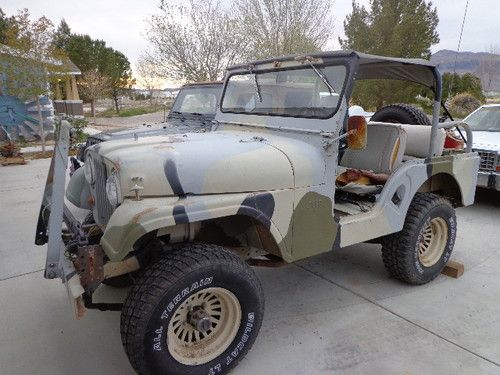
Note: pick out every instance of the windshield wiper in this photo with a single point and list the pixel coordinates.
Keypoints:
(257, 87)
(318, 73)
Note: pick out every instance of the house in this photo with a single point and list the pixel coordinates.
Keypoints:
(19, 118)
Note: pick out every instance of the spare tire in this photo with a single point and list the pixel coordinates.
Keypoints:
(401, 114)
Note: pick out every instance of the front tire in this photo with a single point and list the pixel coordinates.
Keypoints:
(419, 252)
(197, 310)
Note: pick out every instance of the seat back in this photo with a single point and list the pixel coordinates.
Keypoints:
(419, 137)
(383, 152)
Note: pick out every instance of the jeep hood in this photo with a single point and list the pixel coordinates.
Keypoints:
(197, 163)
(172, 126)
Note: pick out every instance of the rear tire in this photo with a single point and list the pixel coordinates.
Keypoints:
(157, 326)
(401, 114)
(419, 252)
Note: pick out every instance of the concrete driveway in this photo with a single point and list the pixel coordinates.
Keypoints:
(336, 313)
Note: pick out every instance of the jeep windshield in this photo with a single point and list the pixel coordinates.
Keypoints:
(298, 92)
(200, 100)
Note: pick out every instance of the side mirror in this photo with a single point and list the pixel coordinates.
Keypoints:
(356, 133)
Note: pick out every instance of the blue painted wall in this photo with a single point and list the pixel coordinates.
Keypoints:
(14, 112)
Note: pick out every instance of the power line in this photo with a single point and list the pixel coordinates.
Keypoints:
(458, 48)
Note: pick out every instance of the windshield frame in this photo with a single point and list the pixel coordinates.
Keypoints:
(338, 62)
(216, 87)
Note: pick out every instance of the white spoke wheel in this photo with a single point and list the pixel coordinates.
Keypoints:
(432, 242)
(197, 310)
(189, 342)
(419, 252)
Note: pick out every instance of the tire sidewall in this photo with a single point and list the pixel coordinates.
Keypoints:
(158, 356)
(421, 272)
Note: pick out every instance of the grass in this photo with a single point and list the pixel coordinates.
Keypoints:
(127, 112)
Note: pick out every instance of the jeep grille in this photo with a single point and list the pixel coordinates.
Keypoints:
(488, 160)
(104, 208)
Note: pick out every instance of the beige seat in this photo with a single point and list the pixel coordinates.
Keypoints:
(418, 138)
(384, 150)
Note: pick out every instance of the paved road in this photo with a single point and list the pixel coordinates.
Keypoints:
(336, 313)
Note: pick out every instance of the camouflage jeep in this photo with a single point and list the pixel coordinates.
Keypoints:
(287, 171)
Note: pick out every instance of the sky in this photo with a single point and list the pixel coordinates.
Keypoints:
(122, 23)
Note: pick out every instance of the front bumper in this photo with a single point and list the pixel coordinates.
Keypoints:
(490, 180)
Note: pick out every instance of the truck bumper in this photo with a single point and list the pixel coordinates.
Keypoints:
(490, 180)
(53, 212)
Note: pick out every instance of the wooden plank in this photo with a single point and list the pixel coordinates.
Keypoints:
(16, 160)
(453, 269)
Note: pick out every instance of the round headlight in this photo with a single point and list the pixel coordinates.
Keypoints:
(88, 170)
(113, 189)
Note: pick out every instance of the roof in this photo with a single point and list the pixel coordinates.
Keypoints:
(66, 64)
(420, 71)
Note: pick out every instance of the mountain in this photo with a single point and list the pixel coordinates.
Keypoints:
(484, 64)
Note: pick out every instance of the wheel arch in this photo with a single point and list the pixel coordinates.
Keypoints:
(193, 225)
(444, 184)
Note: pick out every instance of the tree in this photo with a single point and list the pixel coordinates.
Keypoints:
(465, 83)
(7, 28)
(87, 53)
(272, 28)
(31, 61)
(489, 67)
(193, 41)
(146, 76)
(400, 28)
(117, 67)
(92, 55)
(62, 35)
(94, 85)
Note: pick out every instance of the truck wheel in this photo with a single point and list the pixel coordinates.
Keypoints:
(195, 311)
(402, 114)
(419, 252)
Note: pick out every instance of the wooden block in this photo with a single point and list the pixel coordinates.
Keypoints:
(16, 160)
(453, 269)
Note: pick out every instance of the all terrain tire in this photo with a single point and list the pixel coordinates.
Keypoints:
(197, 310)
(419, 252)
(402, 114)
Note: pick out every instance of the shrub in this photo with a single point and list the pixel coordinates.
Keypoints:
(9, 150)
(463, 104)
(78, 125)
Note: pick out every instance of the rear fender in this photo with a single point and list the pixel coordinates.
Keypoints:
(389, 213)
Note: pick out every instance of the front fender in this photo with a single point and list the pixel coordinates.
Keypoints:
(78, 190)
(133, 219)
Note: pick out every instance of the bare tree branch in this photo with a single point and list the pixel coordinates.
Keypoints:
(193, 42)
(282, 27)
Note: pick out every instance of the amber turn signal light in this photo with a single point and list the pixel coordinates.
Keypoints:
(357, 132)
